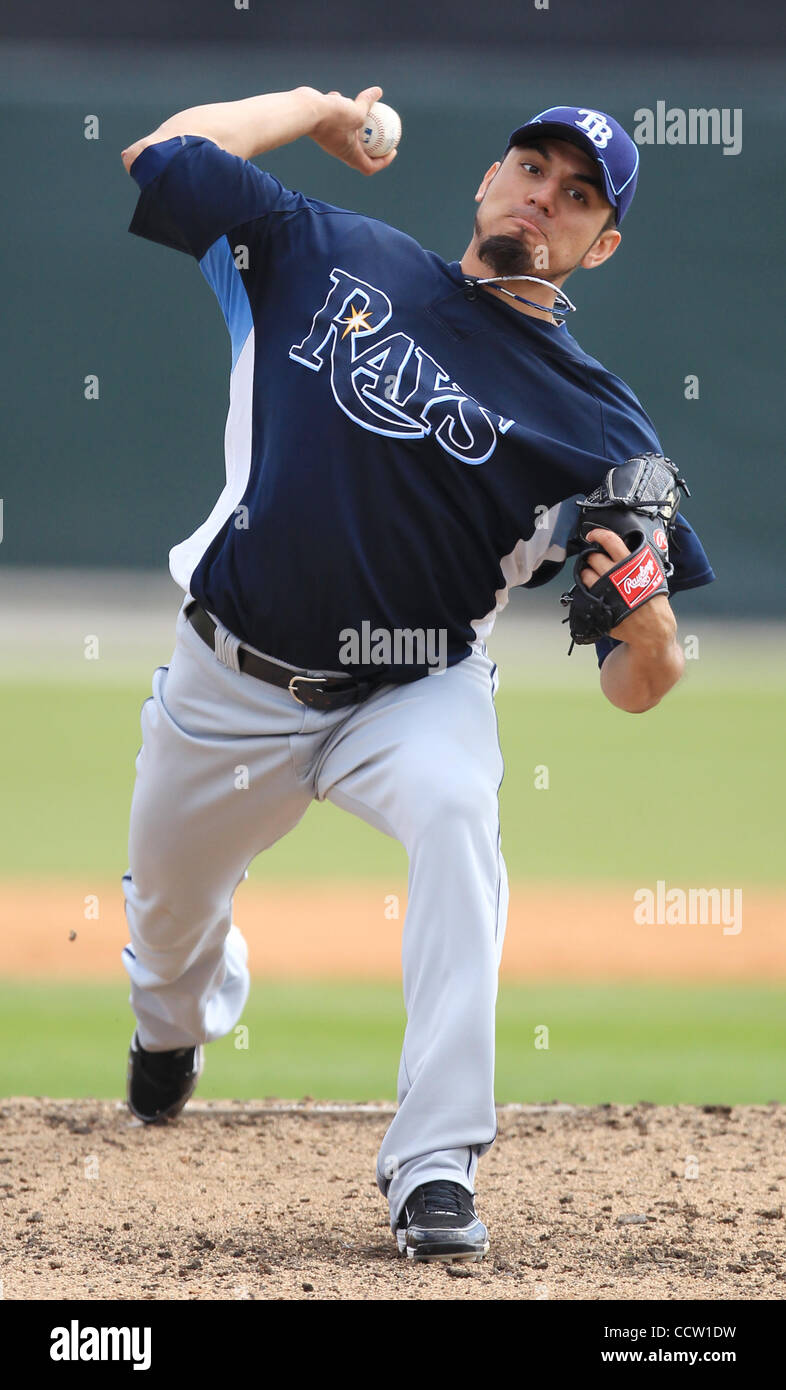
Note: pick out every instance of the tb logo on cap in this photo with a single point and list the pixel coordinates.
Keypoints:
(595, 126)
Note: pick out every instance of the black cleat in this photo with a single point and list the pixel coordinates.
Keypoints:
(160, 1083)
(438, 1221)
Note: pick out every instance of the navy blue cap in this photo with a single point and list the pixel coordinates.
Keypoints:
(601, 137)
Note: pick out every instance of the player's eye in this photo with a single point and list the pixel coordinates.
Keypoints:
(578, 194)
(530, 167)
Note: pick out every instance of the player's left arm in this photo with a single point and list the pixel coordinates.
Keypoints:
(649, 660)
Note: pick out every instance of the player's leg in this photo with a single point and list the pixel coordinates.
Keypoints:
(423, 763)
(216, 784)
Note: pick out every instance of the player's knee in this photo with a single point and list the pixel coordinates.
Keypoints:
(454, 804)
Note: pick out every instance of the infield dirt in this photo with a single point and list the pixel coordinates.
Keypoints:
(67, 930)
(269, 1201)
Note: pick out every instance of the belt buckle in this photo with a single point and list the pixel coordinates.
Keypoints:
(306, 680)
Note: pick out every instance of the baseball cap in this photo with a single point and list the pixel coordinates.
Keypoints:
(601, 137)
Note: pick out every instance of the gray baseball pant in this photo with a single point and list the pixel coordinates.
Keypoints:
(419, 761)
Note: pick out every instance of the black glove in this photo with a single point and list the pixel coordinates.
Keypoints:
(639, 501)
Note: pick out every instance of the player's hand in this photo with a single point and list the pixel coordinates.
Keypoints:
(653, 625)
(337, 132)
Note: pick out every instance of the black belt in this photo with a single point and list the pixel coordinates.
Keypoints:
(321, 692)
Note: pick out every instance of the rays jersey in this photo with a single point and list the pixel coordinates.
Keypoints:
(397, 454)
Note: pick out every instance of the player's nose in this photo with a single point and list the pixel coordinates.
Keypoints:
(544, 195)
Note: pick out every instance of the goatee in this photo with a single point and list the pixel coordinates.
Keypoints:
(505, 255)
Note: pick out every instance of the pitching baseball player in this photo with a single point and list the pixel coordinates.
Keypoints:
(407, 439)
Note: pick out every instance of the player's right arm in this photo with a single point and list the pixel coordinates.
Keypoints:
(256, 124)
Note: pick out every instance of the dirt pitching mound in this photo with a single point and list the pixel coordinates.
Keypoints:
(278, 1201)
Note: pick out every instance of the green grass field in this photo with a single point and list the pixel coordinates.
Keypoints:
(341, 1042)
(689, 793)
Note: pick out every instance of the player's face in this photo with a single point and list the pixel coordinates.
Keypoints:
(542, 211)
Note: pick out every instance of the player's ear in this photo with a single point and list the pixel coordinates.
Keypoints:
(487, 177)
(601, 249)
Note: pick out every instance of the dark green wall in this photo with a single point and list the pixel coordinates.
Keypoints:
(693, 289)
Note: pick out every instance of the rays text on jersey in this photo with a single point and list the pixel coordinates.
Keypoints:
(387, 383)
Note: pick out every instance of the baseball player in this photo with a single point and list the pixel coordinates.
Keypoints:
(407, 439)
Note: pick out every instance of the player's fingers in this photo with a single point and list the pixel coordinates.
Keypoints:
(365, 164)
(384, 160)
(597, 565)
(367, 97)
(613, 544)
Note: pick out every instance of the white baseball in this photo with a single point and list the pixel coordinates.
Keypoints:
(381, 130)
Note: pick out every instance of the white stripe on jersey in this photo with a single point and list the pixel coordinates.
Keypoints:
(547, 542)
(184, 558)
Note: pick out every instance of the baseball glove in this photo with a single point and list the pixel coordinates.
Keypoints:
(638, 500)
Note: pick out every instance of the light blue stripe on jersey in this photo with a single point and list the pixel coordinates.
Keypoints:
(223, 277)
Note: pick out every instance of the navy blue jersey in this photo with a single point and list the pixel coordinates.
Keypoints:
(397, 454)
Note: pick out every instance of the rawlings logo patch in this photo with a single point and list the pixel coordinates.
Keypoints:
(639, 578)
(660, 539)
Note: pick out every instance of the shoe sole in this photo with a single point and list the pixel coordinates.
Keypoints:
(424, 1255)
(171, 1113)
